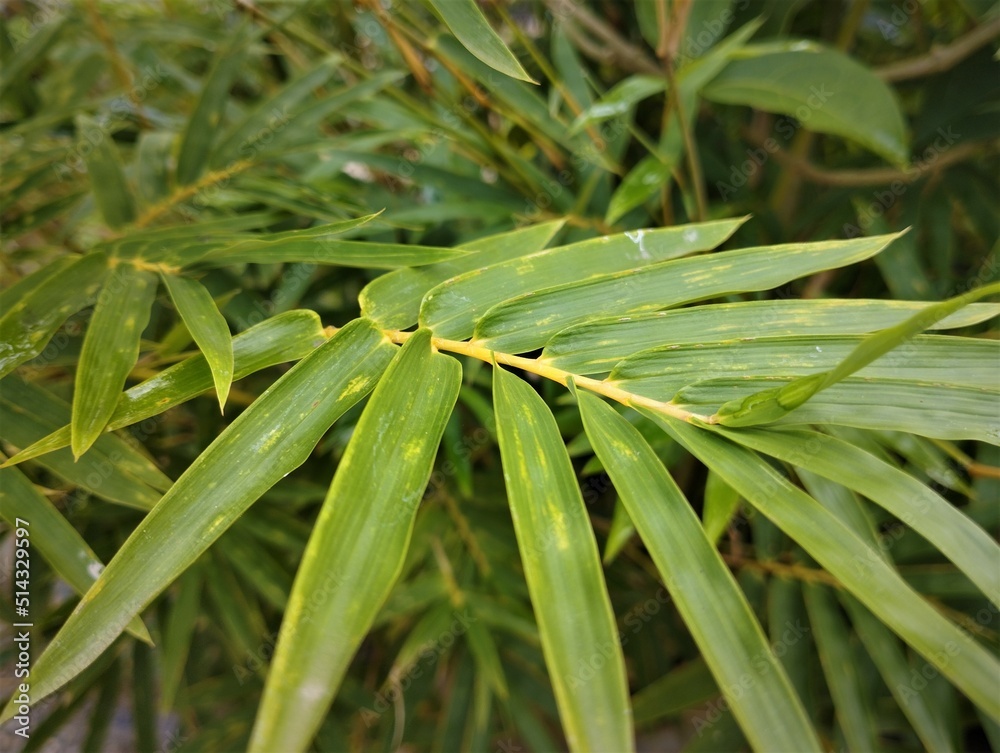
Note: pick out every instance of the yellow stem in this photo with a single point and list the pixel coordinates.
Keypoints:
(549, 372)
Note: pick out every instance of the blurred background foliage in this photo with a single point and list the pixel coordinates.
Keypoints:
(278, 115)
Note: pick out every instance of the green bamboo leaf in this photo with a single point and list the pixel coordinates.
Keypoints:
(208, 327)
(14, 294)
(890, 659)
(203, 124)
(477, 36)
(721, 503)
(154, 152)
(832, 635)
(285, 337)
(112, 469)
(529, 320)
(110, 350)
(856, 564)
(320, 245)
(107, 176)
(952, 532)
(681, 688)
(948, 411)
(484, 651)
(929, 358)
(619, 534)
(27, 327)
(596, 347)
(563, 570)
(177, 633)
(452, 308)
(652, 173)
(52, 536)
(851, 101)
(278, 432)
(357, 548)
(393, 300)
(769, 405)
(724, 627)
(270, 116)
(620, 99)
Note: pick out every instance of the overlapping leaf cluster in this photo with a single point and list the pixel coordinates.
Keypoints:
(649, 352)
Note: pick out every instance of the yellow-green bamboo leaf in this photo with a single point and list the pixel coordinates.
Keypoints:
(110, 350)
(452, 308)
(359, 543)
(208, 327)
(563, 568)
(945, 526)
(752, 680)
(856, 564)
(281, 338)
(770, 405)
(393, 300)
(595, 347)
(265, 443)
(531, 319)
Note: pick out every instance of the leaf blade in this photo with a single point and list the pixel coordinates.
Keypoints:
(477, 36)
(208, 327)
(563, 570)
(357, 549)
(110, 350)
(724, 627)
(292, 415)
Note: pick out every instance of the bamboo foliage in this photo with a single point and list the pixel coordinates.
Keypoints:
(574, 347)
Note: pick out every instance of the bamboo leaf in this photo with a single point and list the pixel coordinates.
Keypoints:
(851, 101)
(681, 688)
(203, 124)
(452, 308)
(270, 116)
(563, 570)
(208, 327)
(721, 503)
(27, 327)
(393, 300)
(477, 36)
(924, 408)
(929, 358)
(110, 350)
(724, 627)
(53, 537)
(620, 99)
(359, 543)
(529, 320)
(111, 469)
(856, 564)
(890, 658)
(831, 633)
(107, 176)
(285, 337)
(320, 245)
(953, 533)
(769, 405)
(596, 346)
(278, 432)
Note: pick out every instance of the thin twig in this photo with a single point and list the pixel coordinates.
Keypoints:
(879, 176)
(623, 52)
(941, 58)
